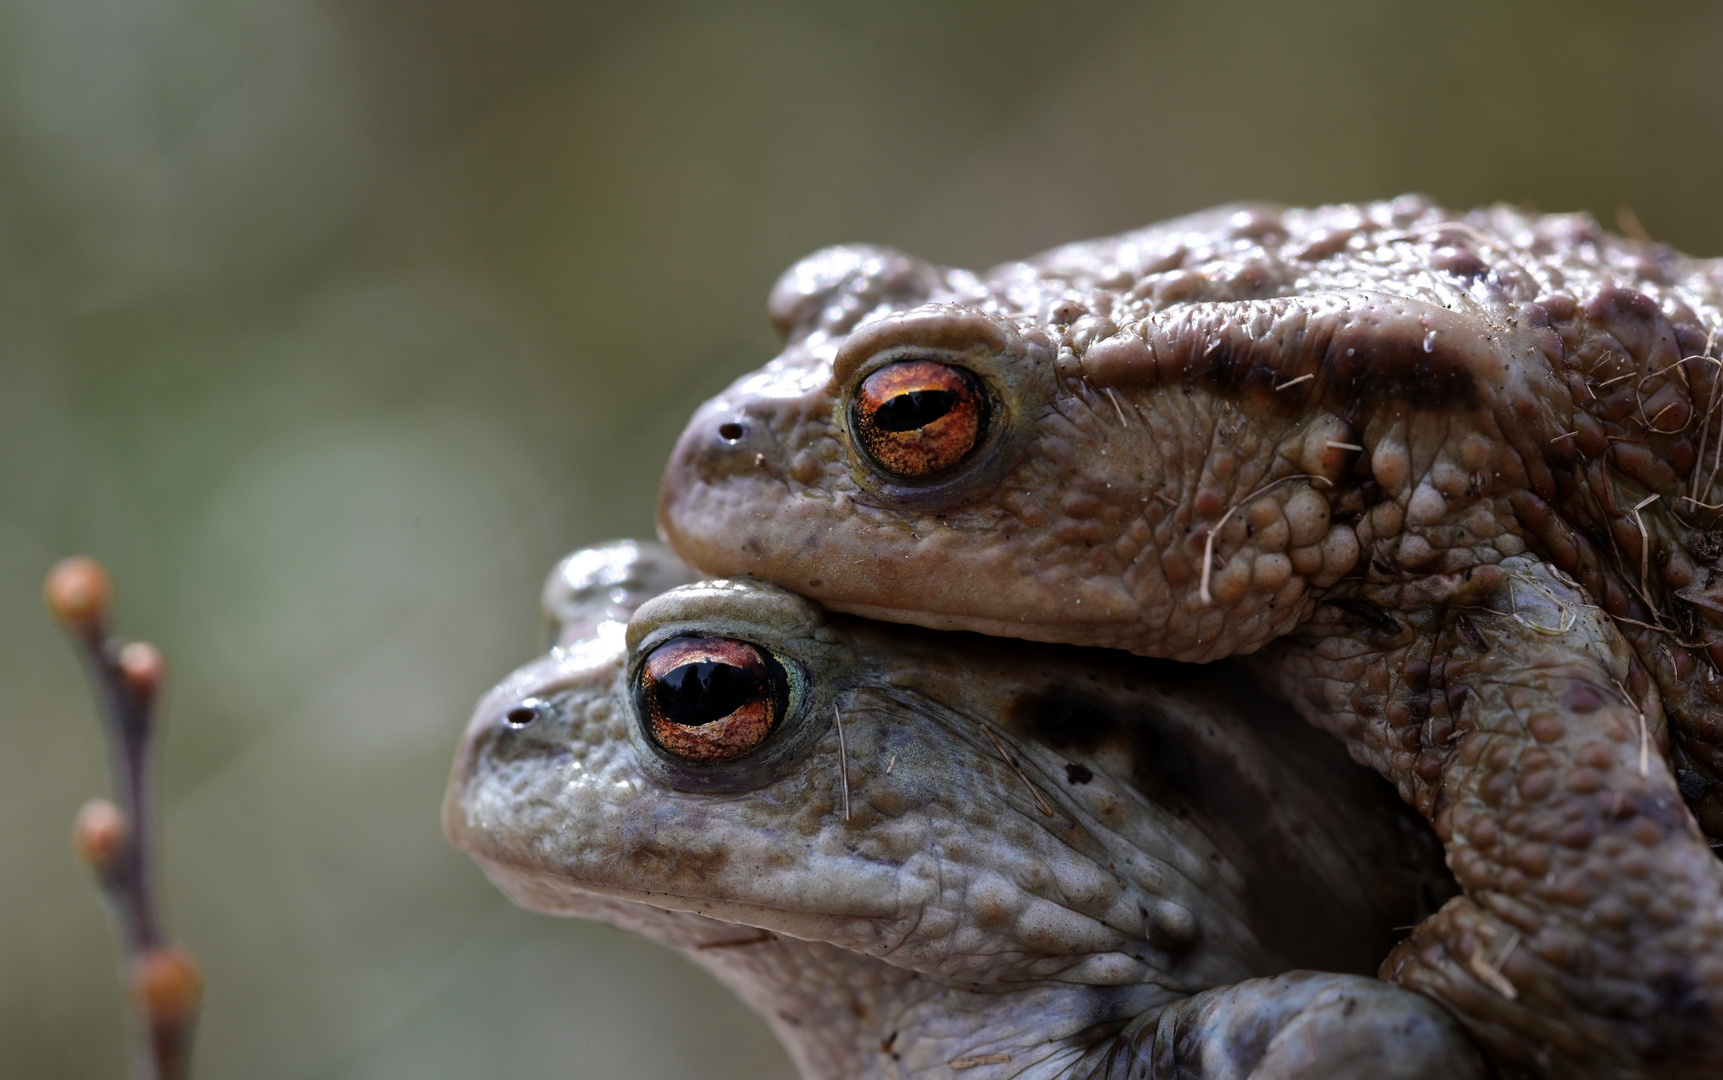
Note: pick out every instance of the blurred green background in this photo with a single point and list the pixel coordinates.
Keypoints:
(329, 326)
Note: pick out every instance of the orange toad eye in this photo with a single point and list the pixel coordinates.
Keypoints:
(709, 700)
(918, 417)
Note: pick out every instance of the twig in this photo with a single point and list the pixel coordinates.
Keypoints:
(1018, 769)
(1203, 593)
(114, 841)
(1109, 392)
(982, 1059)
(1507, 949)
(1704, 427)
(1294, 382)
(1628, 222)
(1665, 631)
(1644, 732)
(1639, 396)
(1644, 549)
(1644, 747)
(1710, 410)
(1651, 425)
(1491, 973)
(843, 759)
(1568, 618)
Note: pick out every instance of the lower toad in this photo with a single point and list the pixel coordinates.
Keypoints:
(919, 854)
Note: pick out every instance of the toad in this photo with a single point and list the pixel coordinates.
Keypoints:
(1451, 481)
(919, 853)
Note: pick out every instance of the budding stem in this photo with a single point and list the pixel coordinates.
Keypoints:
(114, 839)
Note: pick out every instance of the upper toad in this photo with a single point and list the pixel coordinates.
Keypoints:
(1451, 478)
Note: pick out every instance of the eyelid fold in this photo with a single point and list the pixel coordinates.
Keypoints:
(949, 333)
(723, 608)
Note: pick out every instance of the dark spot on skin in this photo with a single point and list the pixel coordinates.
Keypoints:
(1080, 774)
(1068, 721)
(1165, 767)
(1691, 783)
(1241, 809)
(1370, 613)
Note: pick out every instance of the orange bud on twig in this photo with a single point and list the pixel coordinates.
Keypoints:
(99, 834)
(78, 591)
(142, 665)
(168, 985)
(114, 840)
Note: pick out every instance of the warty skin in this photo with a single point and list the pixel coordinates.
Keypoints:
(1123, 904)
(1450, 479)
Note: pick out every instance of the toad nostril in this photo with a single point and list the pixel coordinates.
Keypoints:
(731, 432)
(522, 715)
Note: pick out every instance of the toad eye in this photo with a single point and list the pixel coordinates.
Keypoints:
(711, 699)
(917, 418)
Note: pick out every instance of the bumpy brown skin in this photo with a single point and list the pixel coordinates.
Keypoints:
(904, 900)
(1453, 478)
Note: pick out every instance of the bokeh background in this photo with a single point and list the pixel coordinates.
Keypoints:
(329, 326)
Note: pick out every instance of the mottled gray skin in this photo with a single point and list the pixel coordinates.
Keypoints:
(1451, 478)
(1137, 920)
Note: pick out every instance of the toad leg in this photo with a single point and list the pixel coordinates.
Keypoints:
(1589, 941)
(1303, 1025)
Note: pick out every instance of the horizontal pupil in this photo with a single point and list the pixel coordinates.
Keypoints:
(915, 409)
(704, 691)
